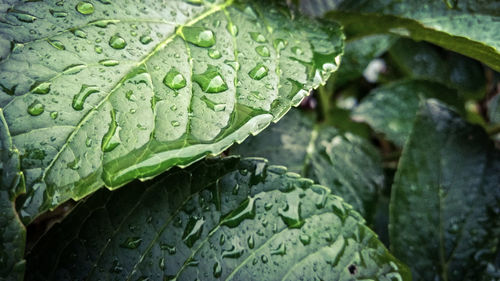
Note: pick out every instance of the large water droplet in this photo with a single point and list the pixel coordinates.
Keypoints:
(264, 259)
(85, 8)
(74, 69)
(297, 51)
(258, 37)
(81, 96)
(246, 210)
(161, 263)
(54, 114)
(233, 29)
(217, 270)
(280, 250)
(79, 33)
(131, 243)
(250, 242)
(291, 215)
(112, 137)
(117, 42)
(145, 39)
(258, 72)
(214, 53)
(305, 239)
(75, 164)
(36, 108)
(41, 88)
(263, 51)
(58, 14)
(279, 44)
(234, 253)
(213, 105)
(109, 62)
(22, 16)
(193, 230)
(174, 80)
(198, 36)
(211, 80)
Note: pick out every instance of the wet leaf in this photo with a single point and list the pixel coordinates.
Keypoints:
(193, 224)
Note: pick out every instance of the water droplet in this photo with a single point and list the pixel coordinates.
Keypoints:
(131, 243)
(211, 80)
(258, 72)
(75, 164)
(174, 80)
(170, 249)
(79, 33)
(291, 215)
(145, 39)
(214, 53)
(36, 108)
(198, 36)
(263, 51)
(236, 189)
(279, 44)
(103, 23)
(257, 37)
(175, 123)
(54, 114)
(193, 230)
(112, 138)
(264, 259)
(280, 250)
(305, 239)
(268, 206)
(250, 242)
(41, 88)
(217, 270)
(233, 29)
(56, 44)
(74, 69)
(233, 64)
(22, 16)
(233, 253)
(85, 91)
(88, 142)
(222, 239)
(161, 263)
(85, 8)
(109, 62)
(213, 105)
(297, 51)
(117, 42)
(246, 210)
(98, 49)
(58, 14)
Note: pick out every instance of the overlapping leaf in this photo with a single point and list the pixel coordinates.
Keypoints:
(444, 218)
(346, 163)
(469, 27)
(217, 220)
(99, 93)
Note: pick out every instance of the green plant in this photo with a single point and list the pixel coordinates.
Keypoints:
(119, 122)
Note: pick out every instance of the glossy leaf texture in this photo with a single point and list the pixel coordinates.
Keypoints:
(346, 163)
(468, 27)
(218, 219)
(12, 231)
(421, 60)
(103, 92)
(391, 109)
(444, 217)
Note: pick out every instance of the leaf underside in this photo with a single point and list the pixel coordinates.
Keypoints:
(444, 217)
(103, 94)
(222, 219)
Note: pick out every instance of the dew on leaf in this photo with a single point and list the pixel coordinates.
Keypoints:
(98, 49)
(117, 42)
(74, 69)
(131, 243)
(109, 62)
(250, 242)
(22, 16)
(211, 80)
(280, 250)
(258, 72)
(279, 44)
(233, 64)
(198, 36)
(170, 249)
(291, 214)
(36, 108)
(305, 239)
(263, 51)
(79, 33)
(41, 88)
(81, 96)
(297, 51)
(85, 8)
(54, 114)
(145, 39)
(233, 253)
(175, 123)
(56, 44)
(217, 270)
(58, 14)
(258, 37)
(213, 105)
(174, 80)
(233, 29)
(193, 230)
(264, 259)
(161, 263)
(214, 53)
(112, 138)
(246, 210)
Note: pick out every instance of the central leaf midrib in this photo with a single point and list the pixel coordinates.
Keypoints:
(158, 48)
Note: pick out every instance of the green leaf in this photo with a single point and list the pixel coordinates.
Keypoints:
(391, 109)
(468, 27)
(12, 231)
(346, 163)
(201, 223)
(105, 92)
(420, 60)
(357, 55)
(444, 218)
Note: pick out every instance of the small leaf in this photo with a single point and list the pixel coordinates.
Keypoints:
(199, 202)
(391, 109)
(444, 214)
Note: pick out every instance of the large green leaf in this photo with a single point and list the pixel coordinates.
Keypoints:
(220, 219)
(391, 109)
(101, 93)
(469, 27)
(421, 60)
(346, 163)
(445, 214)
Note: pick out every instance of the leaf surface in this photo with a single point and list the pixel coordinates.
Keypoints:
(444, 216)
(346, 163)
(103, 92)
(468, 27)
(391, 109)
(221, 219)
